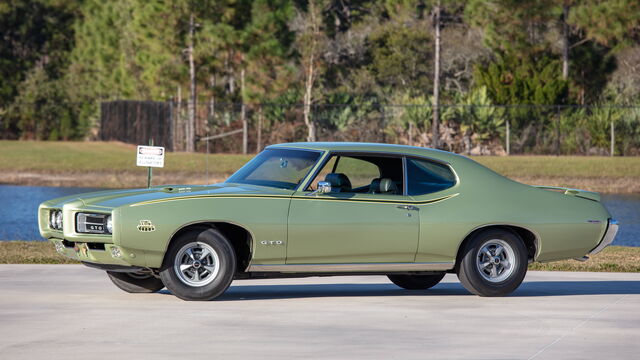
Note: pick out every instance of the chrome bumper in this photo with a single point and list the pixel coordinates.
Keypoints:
(608, 237)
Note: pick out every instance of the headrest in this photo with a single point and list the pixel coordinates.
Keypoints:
(338, 181)
(384, 185)
(387, 185)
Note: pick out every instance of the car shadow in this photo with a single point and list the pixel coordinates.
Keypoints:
(527, 289)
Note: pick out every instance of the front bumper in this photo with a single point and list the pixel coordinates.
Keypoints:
(88, 252)
(609, 235)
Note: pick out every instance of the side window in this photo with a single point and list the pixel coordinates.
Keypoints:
(360, 172)
(323, 173)
(425, 177)
(364, 174)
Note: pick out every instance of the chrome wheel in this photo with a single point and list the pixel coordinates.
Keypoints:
(196, 264)
(496, 260)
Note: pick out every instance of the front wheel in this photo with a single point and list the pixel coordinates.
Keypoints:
(494, 263)
(135, 282)
(199, 265)
(416, 282)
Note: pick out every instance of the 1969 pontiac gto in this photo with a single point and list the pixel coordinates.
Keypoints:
(304, 209)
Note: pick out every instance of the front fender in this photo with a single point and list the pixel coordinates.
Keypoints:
(149, 227)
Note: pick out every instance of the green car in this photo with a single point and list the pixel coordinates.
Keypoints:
(308, 209)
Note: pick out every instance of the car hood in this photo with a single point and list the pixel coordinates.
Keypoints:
(115, 198)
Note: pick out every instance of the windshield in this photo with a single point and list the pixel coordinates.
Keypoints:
(278, 168)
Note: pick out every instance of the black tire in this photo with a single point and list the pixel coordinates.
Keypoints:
(480, 279)
(197, 282)
(416, 282)
(136, 283)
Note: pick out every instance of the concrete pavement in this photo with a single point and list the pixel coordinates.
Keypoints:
(70, 311)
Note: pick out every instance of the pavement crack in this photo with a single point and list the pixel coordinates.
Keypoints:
(577, 327)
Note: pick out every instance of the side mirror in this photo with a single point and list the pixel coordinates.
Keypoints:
(323, 188)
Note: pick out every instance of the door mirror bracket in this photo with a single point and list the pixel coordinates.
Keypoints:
(323, 188)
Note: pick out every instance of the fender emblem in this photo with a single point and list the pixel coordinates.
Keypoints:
(272, 242)
(146, 226)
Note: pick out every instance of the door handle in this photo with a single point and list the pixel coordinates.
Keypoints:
(408, 207)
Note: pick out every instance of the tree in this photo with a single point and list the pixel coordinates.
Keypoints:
(36, 39)
(265, 42)
(310, 44)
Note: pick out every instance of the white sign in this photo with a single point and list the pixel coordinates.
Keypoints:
(152, 156)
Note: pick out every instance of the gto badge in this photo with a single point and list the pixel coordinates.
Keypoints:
(272, 242)
(146, 226)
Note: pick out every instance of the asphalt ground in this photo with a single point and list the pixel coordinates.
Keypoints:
(73, 312)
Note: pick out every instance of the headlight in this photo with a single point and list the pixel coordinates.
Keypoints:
(55, 219)
(87, 223)
(59, 220)
(109, 224)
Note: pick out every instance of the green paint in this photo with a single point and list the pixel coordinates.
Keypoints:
(341, 227)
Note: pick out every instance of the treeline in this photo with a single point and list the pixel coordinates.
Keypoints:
(59, 59)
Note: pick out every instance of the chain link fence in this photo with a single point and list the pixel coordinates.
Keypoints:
(467, 129)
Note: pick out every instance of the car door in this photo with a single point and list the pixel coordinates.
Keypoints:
(356, 225)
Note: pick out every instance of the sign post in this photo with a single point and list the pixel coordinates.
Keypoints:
(150, 156)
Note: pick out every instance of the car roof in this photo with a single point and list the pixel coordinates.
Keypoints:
(371, 147)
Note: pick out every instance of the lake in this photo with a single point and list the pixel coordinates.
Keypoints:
(19, 205)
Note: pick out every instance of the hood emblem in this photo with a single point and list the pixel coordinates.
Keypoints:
(146, 226)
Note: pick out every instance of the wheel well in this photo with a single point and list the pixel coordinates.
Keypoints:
(238, 236)
(528, 237)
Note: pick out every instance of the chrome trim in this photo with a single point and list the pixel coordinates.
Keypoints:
(311, 268)
(329, 153)
(324, 187)
(608, 237)
(405, 179)
(408, 207)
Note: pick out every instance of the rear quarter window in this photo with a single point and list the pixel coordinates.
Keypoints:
(425, 177)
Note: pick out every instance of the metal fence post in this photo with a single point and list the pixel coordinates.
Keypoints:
(508, 137)
(613, 139)
(557, 144)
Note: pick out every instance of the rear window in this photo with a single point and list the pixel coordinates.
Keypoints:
(425, 177)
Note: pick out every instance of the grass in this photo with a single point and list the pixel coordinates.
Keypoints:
(112, 164)
(31, 252)
(611, 259)
(65, 157)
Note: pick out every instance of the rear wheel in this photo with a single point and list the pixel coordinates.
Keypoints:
(136, 282)
(416, 282)
(199, 265)
(494, 263)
